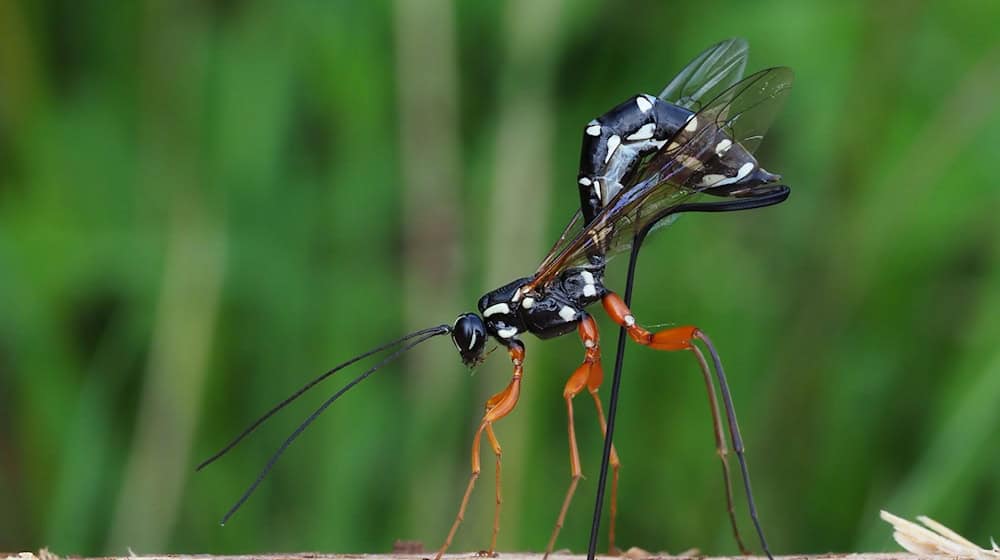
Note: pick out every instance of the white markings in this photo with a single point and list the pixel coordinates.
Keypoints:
(589, 288)
(528, 302)
(567, 313)
(722, 147)
(613, 144)
(507, 333)
(629, 320)
(712, 179)
(643, 103)
(588, 344)
(585, 181)
(692, 124)
(496, 308)
(645, 132)
(743, 172)
(472, 342)
(690, 162)
(594, 130)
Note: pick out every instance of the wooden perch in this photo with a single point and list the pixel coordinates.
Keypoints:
(925, 543)
(46, 555)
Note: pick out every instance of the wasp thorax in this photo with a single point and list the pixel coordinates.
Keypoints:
(469, 336)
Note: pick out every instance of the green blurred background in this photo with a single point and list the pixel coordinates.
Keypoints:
(204, 204)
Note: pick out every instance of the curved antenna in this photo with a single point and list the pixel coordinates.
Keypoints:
(769, 196)
(308, 386)
(427, 335)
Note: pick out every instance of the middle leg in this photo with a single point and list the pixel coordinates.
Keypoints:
(589, 375)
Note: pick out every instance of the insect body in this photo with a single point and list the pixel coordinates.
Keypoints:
(688, 149)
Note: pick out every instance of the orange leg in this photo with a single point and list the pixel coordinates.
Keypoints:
(680, 338)
(497, 407)
(589, 375)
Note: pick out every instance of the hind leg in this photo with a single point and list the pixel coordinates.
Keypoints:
(682, 338)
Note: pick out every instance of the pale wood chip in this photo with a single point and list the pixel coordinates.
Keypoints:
(938, 539)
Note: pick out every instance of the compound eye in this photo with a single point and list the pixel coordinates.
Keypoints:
(469, 336)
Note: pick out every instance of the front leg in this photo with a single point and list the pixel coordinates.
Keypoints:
(497, 407)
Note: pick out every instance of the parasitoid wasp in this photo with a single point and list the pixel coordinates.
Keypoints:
(644, 162)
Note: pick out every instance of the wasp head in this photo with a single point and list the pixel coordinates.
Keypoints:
(469, 336)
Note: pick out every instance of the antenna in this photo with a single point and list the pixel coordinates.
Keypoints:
(437, 330)
(421, 336)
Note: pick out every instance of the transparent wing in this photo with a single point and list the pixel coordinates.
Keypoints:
(708, 75)
(569, 234)
(674, 174)
(705, 77)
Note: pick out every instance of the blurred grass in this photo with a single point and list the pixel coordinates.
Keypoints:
(203, 204)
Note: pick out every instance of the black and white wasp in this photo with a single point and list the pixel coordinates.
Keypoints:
(688, 149)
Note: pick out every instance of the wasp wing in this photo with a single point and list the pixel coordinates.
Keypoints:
(676, 173)
(569, 234)
(710, 73)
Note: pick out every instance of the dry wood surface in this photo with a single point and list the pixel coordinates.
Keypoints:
(46, 555)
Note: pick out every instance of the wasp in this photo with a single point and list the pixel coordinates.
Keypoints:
(643, 163)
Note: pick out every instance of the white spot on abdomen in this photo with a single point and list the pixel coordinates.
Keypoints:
(743, 172)
(613, 144)
(645, 132)
(589, 290)
(711, 179)
(643, 104)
